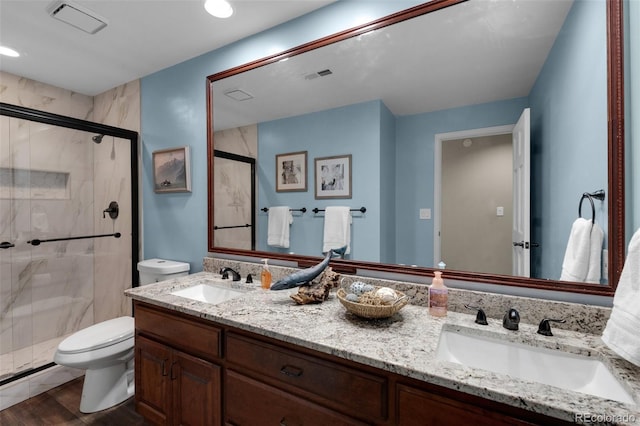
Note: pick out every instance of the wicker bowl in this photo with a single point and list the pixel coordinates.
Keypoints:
(372, 311)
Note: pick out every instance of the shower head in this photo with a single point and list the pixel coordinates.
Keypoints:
(97, 138)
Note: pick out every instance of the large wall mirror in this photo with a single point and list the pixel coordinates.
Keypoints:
(473, 129)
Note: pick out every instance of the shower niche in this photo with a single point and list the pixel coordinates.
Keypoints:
(39, 184)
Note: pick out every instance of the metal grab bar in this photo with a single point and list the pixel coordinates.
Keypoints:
(303, 210)
(361, 210)
(246, 225)
(37, 242)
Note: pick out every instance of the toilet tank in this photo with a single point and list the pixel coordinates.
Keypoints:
(156, 270)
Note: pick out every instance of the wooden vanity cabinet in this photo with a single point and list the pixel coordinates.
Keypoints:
(253, 402)
(174, 387)
(291, 384)
(195, 372)
(419, 403)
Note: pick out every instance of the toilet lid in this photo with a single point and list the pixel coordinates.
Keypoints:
(99, 335)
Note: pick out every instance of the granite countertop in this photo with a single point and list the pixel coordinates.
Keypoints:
(406, 344)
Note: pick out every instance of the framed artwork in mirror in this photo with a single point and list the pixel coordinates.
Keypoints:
(333, 177)
(291, 172)
(171, 170)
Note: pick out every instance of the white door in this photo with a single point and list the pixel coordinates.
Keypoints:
(521, 195)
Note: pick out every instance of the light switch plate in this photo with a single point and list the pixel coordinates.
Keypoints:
(499, 211)
(425, 213)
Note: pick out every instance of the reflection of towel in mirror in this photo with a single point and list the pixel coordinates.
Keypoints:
(621, 332)
(584, 252)
(337, 228)
(280, 218)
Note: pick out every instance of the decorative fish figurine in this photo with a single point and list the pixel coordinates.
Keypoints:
(306, 275)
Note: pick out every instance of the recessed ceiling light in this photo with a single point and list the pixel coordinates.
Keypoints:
(7, 51)
(218, 8)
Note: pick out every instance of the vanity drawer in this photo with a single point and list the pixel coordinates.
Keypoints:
(190, 336)
(251, 402)
(338, 386)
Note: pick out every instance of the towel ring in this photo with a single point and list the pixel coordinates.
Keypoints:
(590, 196)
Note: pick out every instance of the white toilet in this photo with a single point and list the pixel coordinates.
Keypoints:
(105, 349)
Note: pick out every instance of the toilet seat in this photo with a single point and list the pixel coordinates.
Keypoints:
(106, 333)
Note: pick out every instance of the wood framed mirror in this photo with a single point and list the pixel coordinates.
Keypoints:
(611, 211)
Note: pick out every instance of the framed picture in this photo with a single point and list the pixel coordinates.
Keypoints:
(171, 170)
(291, 172)
(333, 177)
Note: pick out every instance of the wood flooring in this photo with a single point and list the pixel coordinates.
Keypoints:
(60, 406)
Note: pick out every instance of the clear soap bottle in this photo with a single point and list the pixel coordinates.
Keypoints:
(265, 276)
(438, 296)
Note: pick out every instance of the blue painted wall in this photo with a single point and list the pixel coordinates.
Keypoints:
(387, 191)
(354, 130)
(569, 125)
(173, 114)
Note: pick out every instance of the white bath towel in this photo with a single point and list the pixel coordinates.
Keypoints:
(337, 228)
(582, 257)
(621, 332)
(280, 218)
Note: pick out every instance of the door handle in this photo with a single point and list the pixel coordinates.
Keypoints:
(6, 245)
(526, 245)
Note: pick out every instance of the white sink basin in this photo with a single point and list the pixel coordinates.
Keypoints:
(551, 367)
(208, 293)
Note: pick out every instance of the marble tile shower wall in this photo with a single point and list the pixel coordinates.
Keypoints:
(85, 277)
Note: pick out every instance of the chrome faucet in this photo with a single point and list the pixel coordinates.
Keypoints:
(225, 274)
(511, 319)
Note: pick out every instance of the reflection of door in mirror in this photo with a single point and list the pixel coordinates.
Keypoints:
(234, 178)
(481, 199)
(476, 215)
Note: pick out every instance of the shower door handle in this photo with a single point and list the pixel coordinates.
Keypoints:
(6, 245)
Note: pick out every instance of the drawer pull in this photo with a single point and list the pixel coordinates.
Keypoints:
(291, 371)
(164, 365)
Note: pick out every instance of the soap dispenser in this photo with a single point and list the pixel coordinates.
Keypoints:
(265, 276)
(438, 296)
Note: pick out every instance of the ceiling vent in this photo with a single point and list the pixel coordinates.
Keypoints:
(77, 16)
(322, 73)
(238, 95)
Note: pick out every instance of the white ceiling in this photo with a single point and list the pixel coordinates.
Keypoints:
(473, 53)
(142, 37)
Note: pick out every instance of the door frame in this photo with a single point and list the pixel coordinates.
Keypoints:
(439, 139)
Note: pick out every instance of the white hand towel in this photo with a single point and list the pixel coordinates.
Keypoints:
(621, 332)
(337, 228)
(280, 218)
(577, 257)
(595, 255)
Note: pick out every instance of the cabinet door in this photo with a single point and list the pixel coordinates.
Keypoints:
(153, 396)
(250, 402)
(196, 391)
(418, 407)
